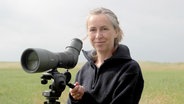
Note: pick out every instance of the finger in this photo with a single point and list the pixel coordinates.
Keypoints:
(77, 97)
(75, 89)
(81, 90)
(76, 84)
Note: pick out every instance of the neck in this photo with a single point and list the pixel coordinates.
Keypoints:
(103, 56)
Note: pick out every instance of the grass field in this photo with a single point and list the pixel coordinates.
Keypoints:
(164, 84)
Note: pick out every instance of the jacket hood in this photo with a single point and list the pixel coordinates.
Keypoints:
(122, 53)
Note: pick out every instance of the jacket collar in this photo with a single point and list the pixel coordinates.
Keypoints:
(121, 53)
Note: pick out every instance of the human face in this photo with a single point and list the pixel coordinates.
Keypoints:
(101, 33)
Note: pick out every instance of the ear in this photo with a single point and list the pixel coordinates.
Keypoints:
(116, 33)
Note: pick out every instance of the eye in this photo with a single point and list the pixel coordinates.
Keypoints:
(105, 28)
(92, 30)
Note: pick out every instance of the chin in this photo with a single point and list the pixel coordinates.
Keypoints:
(99, 49)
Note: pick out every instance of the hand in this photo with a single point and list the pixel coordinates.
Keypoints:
(77, 92)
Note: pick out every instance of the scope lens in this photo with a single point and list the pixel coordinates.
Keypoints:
(32, 61)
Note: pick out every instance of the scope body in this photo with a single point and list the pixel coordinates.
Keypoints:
(35, 60)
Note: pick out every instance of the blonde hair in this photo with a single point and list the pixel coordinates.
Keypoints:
(113, 18)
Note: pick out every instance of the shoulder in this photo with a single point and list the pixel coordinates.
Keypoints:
(132, 66)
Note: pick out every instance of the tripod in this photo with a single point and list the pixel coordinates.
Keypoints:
(58, 85)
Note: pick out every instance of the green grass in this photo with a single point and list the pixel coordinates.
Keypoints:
(164, 84)
(19, 87)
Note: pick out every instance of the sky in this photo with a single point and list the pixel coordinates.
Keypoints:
(153, 29)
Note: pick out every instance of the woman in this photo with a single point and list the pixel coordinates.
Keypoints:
(110, 75)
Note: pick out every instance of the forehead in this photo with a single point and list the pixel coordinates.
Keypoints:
(98, 20)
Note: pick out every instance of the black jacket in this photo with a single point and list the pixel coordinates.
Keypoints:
(118, 80)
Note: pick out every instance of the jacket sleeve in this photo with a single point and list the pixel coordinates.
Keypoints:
(87, 99)
(129, 86)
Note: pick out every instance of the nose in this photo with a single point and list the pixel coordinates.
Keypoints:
(99, 34)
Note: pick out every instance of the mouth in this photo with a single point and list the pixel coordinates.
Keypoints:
(99, 42)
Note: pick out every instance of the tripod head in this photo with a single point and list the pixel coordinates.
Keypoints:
(60, 80)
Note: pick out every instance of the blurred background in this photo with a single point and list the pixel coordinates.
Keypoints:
(153, 29)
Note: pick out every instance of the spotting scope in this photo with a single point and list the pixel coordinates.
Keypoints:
(34, 60)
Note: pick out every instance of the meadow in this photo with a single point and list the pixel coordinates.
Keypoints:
(164, 84)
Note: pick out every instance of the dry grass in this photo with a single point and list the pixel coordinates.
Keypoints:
(10, 65)
(161, 66)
